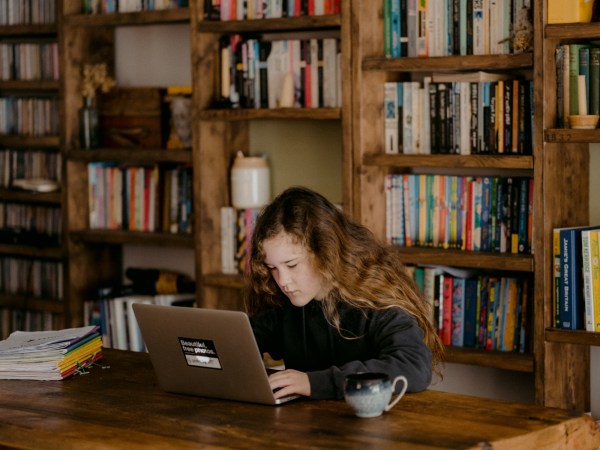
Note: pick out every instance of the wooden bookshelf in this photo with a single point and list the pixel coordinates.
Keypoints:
(224, 131)
(96, 255)
(558, 360)
(17, 249)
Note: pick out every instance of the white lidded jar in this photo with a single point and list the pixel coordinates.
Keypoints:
(250, 181)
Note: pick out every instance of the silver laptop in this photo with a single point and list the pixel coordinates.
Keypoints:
(205, 352)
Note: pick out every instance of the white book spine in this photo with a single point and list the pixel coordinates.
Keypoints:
(391, 117)
(465, 118)
(407, 118)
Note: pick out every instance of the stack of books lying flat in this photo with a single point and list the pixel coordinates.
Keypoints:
(49, 355)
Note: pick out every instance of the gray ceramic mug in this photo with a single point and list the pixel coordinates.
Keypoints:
(369, 393)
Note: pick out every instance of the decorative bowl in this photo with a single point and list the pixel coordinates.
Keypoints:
(584, 122)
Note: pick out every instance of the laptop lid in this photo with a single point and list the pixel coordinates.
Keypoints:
(205, 352)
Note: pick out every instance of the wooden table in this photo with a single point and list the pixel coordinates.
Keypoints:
(121, 407)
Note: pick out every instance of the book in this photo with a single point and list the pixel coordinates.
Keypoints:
(591, 279)
(391, 117)
(594, 81)
(571, 309)
(560, 11)
(458, 312)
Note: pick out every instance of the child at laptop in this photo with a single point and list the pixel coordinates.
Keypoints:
(329, 299)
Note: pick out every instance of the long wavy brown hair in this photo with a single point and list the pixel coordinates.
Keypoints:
(360, 270)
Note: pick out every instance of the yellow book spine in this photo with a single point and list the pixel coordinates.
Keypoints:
(595, 260)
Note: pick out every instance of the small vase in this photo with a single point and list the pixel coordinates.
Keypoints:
(89, 129)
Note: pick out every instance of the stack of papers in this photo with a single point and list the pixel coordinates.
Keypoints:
(49, 355)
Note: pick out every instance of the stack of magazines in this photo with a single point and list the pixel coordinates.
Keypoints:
(49, 355)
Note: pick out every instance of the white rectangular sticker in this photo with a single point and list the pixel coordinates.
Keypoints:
(200, 353)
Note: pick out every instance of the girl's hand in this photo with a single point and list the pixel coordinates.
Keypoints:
(288, 382)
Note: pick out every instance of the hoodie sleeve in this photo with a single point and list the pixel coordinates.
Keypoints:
(396, 343)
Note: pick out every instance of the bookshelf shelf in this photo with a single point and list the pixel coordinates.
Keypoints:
(31, 251)
(466, 259)
(121, 237)
(14, 195)
(493, 63)
(32, 303)
(39, 30)
(165, 16)
(268, 114)
(565, 135)
(11, 140)
(572, 337)
(499, 360)
(589, 30)
(300, 23)
(223, 280)
(29, 86)
(515, 162)
(135, 156)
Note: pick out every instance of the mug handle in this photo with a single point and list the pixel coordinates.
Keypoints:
(400, 395)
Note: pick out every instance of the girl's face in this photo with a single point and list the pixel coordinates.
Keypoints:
(291, 266)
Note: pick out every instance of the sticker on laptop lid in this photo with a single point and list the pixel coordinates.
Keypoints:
(200, 353)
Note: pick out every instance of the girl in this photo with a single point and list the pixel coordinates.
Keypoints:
(326, 297)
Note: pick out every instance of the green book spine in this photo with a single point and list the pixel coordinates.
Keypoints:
(594, 81)
(573, 74)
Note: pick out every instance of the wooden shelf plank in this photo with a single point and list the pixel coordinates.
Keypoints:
(273, 113)
(572, 337)
(490, 63)
(567, 135)
(466, 161)
(17, 195)
(29, 30)
(471, 260)
(136, 155)
(588, 31)
(52, 305)
(121, 237)
(270, 25)
(31, 251)
(223, 280)
(30, 85)
(11, 140)
(178, 15)
(499, 360)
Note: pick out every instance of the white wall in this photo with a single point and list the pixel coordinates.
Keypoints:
(137, 65)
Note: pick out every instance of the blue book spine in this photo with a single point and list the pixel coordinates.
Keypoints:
(486, 208)
(571, 282)
(395, 28)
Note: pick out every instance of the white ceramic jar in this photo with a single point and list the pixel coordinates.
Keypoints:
(250, 181)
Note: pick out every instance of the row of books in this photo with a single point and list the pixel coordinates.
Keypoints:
(576, 278)
(29, 218)
(450, 27)
(29, 116)
(25, 12)
(300, 73)
(458, 114)
(140, 198)
(268, 9)
(21, 163)
(478, 311)
(29, 61)
(577, 81)
(14, 319)
(115, 317)
(31, 277)
(237, 226)
(122, 6)
(490, 214)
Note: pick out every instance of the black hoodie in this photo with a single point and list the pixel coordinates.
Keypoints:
(388, 341)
